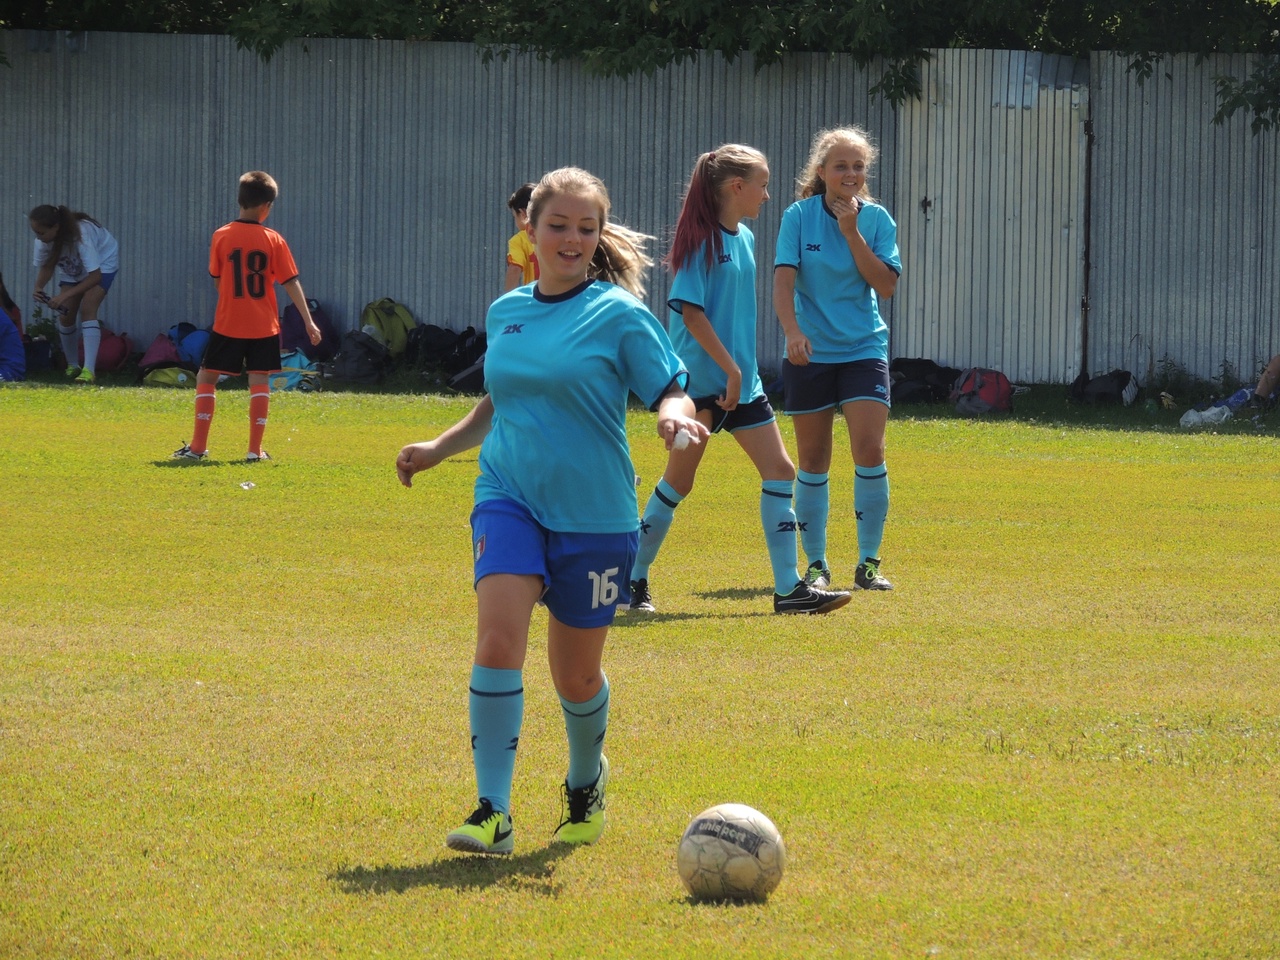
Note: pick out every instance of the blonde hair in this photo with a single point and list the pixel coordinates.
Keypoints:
(620, 256)
(809, 184)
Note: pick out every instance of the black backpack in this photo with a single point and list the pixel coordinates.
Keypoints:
(468, 349)
(1118, 386)
(361, 359)
(919, 380)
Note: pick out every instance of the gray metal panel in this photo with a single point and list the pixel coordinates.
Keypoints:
(992, 210)
(394, 159)
(1185, 224)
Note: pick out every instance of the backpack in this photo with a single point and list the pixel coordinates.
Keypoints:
(429, 345)
(470, 380)
(918, 380)
(293, 333)
(467, 350)
(360, 359)
(392, 320)
(1118, 386)
(113, 351)
(190, 342)
(162, 352)
(979, 391)
(297, 372)
(170, 376)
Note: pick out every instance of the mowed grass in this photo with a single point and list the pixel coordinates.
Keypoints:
(233, 718)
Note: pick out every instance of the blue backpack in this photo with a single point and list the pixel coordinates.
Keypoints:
(297, 372)
(190, 342)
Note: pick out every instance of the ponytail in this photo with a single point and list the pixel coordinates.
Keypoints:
(620, 256)
(699, 222)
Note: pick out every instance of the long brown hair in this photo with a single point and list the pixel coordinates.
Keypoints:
(620, 255)
(67, 222)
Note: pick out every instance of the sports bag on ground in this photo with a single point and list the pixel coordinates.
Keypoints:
(361, 359)
(980, 391)
(293, 333)
(297, 372)
(392, 320)
(1118, 386)
(920, 380)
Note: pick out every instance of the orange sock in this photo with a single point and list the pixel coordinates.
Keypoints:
(206, 398)
(259, 400)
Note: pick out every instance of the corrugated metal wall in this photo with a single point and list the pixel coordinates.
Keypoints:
(395, 161)
(1186, 224)
(990, 212)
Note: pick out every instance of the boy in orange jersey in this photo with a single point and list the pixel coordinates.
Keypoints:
(246, 261)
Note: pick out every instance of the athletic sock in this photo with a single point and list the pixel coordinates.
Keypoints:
(91, 330)
(813, 504)
(259, 401)
(206, 400)
(654, 524)
(70, 344)
(585, 724)
(779, 522)
(871, 507)
(497, 711)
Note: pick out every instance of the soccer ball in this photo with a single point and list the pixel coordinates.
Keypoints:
(731, 852)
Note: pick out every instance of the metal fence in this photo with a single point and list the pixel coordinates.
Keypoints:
(395, 160)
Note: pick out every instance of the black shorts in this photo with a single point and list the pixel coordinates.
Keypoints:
(235, 355)
(821, 386)
(754, 414)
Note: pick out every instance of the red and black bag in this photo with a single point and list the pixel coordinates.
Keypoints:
(979, 391)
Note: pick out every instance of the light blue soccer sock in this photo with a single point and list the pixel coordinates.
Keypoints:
(497, 711)
(871, 507)
(779, 522)
(654, 524)
(813, 504)
(91, 331)
(70, 344)
(585, 724)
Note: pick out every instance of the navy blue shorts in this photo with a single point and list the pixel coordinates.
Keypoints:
(754, 414)
(231, 355)
(105, 281)
(821, 386)
(586, 575)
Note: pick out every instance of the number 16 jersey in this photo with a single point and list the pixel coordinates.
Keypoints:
(248, 259)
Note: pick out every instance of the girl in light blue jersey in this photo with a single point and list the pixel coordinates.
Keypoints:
(713, 328)
(837, 258)
(555, 515)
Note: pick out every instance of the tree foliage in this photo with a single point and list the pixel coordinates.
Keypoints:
(623, 37)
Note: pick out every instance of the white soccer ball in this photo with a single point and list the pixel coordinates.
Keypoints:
(731, 852)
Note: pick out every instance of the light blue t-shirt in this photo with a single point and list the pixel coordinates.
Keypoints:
(835, 307)
(726, 293)
(559, 371)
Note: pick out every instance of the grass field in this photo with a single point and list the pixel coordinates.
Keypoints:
(232, 698)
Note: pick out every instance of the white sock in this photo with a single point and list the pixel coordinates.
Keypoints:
(92, 332)
(70, 343)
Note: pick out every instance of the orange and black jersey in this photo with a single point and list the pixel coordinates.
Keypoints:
(248, 259)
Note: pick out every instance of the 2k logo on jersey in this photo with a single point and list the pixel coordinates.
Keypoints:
(813, 247)
(513, 328)
(724, 258)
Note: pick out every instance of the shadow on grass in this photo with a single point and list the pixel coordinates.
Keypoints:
(751, 602)
(534, 871)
